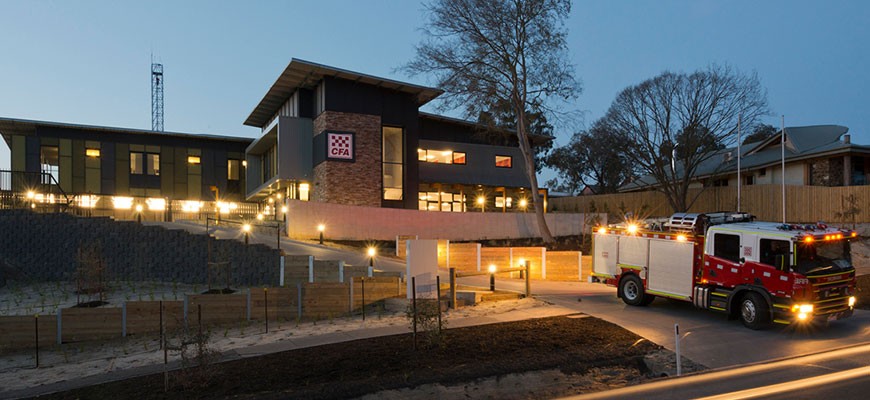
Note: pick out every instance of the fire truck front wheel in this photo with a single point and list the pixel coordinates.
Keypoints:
(754, 312)
(632, 292)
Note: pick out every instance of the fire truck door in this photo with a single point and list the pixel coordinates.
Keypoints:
(723, 267)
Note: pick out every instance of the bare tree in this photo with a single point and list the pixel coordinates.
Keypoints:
(596, 156)
(675, 122)
(483, 52)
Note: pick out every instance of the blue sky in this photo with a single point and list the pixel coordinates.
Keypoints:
(88, 61)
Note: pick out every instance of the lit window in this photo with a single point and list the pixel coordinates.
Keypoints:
(153, 164)
(144, 163)
(392, 164)
(156, 204)
(303, 191)
(136, 163)
(191, 206)
(421, 155)
(500, 202)
(503, 161)
(122, 203)
(87, 201)
(458, 158)
(193, 160)
(95, 153)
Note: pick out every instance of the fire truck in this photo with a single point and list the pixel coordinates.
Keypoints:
(762, 273)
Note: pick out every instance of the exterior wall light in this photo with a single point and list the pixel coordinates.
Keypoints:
(139, 213)
(259, 216)
(481, 202)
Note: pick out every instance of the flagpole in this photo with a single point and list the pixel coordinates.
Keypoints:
(782, 145)
(738, 162)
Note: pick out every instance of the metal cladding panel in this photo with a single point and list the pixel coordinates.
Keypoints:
(605, 253)
(670, 267)
(633, 250)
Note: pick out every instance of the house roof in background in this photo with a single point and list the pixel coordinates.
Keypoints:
(806, 142)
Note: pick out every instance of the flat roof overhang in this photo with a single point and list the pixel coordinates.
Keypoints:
(306, 74)
(13, 126)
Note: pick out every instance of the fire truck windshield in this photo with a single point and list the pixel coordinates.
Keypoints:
(823, 256)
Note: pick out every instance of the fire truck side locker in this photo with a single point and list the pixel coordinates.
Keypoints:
(670, 268)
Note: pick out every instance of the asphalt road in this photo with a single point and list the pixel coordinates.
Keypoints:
(707, 338)
(840, 374)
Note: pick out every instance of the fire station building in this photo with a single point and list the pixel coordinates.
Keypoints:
(327, 135)
(336, 136)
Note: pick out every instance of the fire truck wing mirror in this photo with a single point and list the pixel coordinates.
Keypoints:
(742, 260)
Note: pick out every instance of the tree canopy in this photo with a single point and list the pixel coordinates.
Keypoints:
(484, 53)
(596, 158)
(675, 121)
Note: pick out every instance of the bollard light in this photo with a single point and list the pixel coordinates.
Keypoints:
(247, 229)
(492, 277)
(371, 252)
(320, 229)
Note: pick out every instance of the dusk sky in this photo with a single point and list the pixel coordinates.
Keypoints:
(88, 62)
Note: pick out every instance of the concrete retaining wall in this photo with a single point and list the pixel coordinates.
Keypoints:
(372, 223)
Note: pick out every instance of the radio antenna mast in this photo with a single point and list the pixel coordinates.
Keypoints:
(156, 96)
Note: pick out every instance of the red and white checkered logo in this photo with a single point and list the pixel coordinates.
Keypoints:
(339, 146)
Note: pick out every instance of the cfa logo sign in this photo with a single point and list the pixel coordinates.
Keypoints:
(339, 146)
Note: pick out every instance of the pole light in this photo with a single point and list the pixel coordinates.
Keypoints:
(492, 270)
(247, 229)
(371, 253)
(320, 228)
(139, 213)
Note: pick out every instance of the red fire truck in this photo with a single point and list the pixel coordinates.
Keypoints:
(759, 272)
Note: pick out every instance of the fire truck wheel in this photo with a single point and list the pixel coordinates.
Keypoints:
(632, 291)
(754, 312)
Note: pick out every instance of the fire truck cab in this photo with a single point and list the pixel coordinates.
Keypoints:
(759, 272)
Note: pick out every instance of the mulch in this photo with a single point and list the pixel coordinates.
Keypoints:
(356, 368)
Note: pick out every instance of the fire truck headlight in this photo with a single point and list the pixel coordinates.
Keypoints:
(602, 230)
(802, 316)
(802, 308)
(851, 301)
(632, 229)
(681, 238)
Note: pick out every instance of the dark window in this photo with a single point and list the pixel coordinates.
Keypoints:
(233, 169)
(749, 180)
(392, 162)
(720, 182)
(49, 160)
(503, 161)
(771, 248)
(726, 246)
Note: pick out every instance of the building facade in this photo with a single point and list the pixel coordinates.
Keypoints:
(336, 136)
(326, 135)
(116, 168)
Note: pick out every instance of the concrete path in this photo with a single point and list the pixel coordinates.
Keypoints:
(291, 344)
(295, 247)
